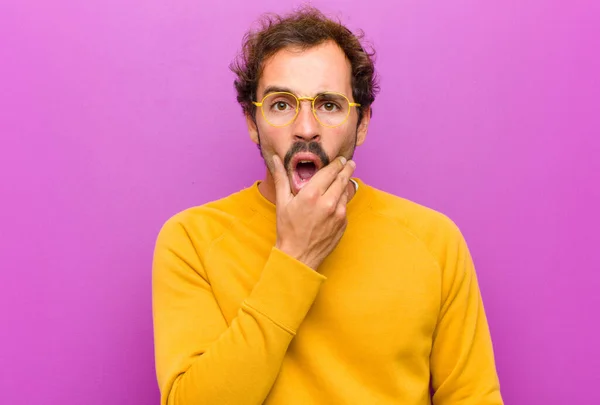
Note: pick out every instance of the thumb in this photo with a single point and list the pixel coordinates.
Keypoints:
(283, 190)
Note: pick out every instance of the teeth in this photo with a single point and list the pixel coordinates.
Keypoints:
(305, 161)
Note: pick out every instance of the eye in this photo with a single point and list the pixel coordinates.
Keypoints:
(330, 107)
(280, 106)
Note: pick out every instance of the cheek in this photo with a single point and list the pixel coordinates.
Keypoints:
(274, 139)
(339, 139)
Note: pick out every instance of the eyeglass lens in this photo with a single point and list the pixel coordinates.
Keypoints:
(330, 109)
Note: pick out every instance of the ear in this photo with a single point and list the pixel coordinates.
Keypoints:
(252, 130)
(363, 127)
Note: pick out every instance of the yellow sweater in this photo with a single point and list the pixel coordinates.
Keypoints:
(394, 315)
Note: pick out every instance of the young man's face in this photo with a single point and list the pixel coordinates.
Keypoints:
(305, 145)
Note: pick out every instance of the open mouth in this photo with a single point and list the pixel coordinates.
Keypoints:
(304, 167)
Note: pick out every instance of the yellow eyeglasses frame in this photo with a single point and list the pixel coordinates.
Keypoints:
(300, 99)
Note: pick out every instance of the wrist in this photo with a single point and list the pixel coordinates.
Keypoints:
(294, 253)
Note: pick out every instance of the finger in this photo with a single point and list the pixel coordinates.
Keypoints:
(321, 181)
(340, 184)
(283, 190)
(343, 201)
(340, 210)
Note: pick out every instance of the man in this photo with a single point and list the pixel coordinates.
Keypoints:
(311, 287)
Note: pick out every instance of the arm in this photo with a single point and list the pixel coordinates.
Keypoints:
(462, 360)
(199, 358)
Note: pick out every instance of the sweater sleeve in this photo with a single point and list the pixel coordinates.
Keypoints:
(462, 360)
(200, 359)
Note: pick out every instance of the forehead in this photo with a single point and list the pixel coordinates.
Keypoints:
(308, 72)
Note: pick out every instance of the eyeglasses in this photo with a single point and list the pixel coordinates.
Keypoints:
(281, 108)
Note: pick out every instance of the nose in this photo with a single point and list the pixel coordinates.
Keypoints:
(306, 127)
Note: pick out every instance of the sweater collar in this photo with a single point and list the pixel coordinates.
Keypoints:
(260, 204)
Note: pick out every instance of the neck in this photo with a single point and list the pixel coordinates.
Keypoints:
(267, 188)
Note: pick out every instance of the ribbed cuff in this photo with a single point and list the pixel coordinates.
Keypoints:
(285, 291)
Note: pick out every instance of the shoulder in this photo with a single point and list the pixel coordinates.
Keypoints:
(204, 223)
(410, 214)
(434, 229)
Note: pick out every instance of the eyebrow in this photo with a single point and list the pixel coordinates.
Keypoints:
(276, 89)
(279, 89)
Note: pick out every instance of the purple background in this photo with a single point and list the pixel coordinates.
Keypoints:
(115, 115)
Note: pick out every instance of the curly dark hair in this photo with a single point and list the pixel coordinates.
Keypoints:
(305, 28)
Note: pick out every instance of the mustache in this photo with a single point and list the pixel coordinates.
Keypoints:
(312, 147)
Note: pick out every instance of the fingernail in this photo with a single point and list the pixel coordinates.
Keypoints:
(343, 160)
(352, 163)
